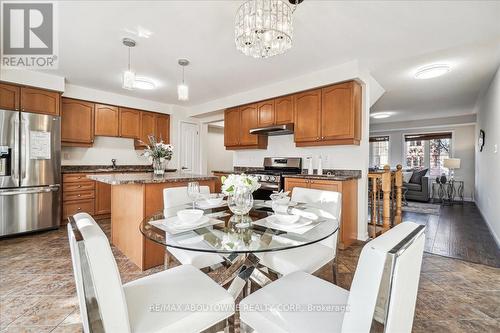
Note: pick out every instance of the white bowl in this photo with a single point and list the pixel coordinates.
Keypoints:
(214, 199)
(189, 215)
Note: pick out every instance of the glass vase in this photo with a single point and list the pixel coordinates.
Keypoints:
(158, 167)
(240, 201)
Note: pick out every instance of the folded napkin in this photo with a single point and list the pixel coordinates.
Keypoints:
(284, 209)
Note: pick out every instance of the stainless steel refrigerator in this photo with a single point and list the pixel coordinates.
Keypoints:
(30, 175)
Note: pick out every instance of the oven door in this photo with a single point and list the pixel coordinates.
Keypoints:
(265, 191)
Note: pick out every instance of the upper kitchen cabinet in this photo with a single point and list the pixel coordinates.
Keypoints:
(248, 120)
(77, 123)
(130, 123)
(307, 116)
(231, 128)
(237, 124)
(9, 97)
(106, 120)
(341, 113)
(329, 116)
(147, 128)
(40, 101)
(162, 127)
(265, 113)
(283, 110)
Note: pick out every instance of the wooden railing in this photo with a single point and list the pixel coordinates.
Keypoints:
(385, 198)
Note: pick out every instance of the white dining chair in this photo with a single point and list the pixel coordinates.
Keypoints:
(176, 196)
(312, 257)
(162, 302)
(300, 302)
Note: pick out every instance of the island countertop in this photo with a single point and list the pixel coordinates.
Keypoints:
(148, 178)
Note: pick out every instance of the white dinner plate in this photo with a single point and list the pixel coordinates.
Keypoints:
(177, 224)
(272, 221)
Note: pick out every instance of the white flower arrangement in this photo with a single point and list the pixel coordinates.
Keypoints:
(233, 181)
(157, 150)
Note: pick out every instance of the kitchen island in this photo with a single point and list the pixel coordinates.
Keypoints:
(135, 196)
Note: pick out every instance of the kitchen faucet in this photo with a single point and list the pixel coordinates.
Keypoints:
(113, 161)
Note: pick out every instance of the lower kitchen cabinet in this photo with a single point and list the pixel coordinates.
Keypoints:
(348, 232)
(81, 194)
(102, 198)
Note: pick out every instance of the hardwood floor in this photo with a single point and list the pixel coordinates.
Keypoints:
(458, 232)
(37, 290)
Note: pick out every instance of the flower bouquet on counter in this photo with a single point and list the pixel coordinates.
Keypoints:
(232, 182)
(158, 153)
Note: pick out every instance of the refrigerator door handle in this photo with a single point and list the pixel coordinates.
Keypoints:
(15, 151)
(33, 190)
(24, 143)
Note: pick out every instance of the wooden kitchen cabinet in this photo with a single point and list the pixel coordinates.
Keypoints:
(231, 127)
(341, 113)
(307, 107)
(77, 123)
(283, 110)
(162, 127)
(40, 101)
(336, 120)
(9, 97)
(248, 120)
(106, 120)
(265, 113)
(348, 232)
(147, 128)
(81, 194)
(102, 198)
(130, 123)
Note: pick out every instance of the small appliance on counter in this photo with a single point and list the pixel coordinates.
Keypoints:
(30, 172)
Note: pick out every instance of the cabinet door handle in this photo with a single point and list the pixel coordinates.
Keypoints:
(78, 208)
(79, 195)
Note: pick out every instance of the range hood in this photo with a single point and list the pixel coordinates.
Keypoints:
(273, 130)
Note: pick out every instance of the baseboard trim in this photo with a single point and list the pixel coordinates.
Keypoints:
(495, 236)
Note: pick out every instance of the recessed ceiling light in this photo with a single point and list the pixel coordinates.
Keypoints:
(432, 71)
(144, 83)
(381, 115)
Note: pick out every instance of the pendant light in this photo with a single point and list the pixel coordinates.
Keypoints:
(128, 75)
(182, 88)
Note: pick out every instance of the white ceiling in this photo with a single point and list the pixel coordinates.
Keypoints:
(390, 38)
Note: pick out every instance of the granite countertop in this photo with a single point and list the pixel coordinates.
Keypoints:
(148, 178)
(328, 174)
(324, 177)
(105, 168)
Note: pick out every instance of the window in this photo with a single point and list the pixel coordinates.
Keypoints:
(379, 151)
(428, 151)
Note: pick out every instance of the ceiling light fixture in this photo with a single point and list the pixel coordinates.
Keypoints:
(182, 88)
(144, 83)
(128, 75)
(432, 71)
(130, 80)
(381, 115)
(264, 28)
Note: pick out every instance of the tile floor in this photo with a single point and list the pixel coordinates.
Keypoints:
(37, 292)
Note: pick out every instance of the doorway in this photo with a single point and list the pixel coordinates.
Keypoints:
(190, 147)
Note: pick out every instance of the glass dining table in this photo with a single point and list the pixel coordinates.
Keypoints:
(241, 240)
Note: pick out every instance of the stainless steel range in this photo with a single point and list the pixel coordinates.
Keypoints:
(271, 177)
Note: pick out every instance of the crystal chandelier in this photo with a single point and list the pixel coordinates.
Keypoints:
(263, 28)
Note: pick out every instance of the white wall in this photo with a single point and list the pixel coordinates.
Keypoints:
(218, 158)
(106, 148)
(463, 143)
(488, 161)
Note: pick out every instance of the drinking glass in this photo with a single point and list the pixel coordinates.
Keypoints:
(193, 190)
